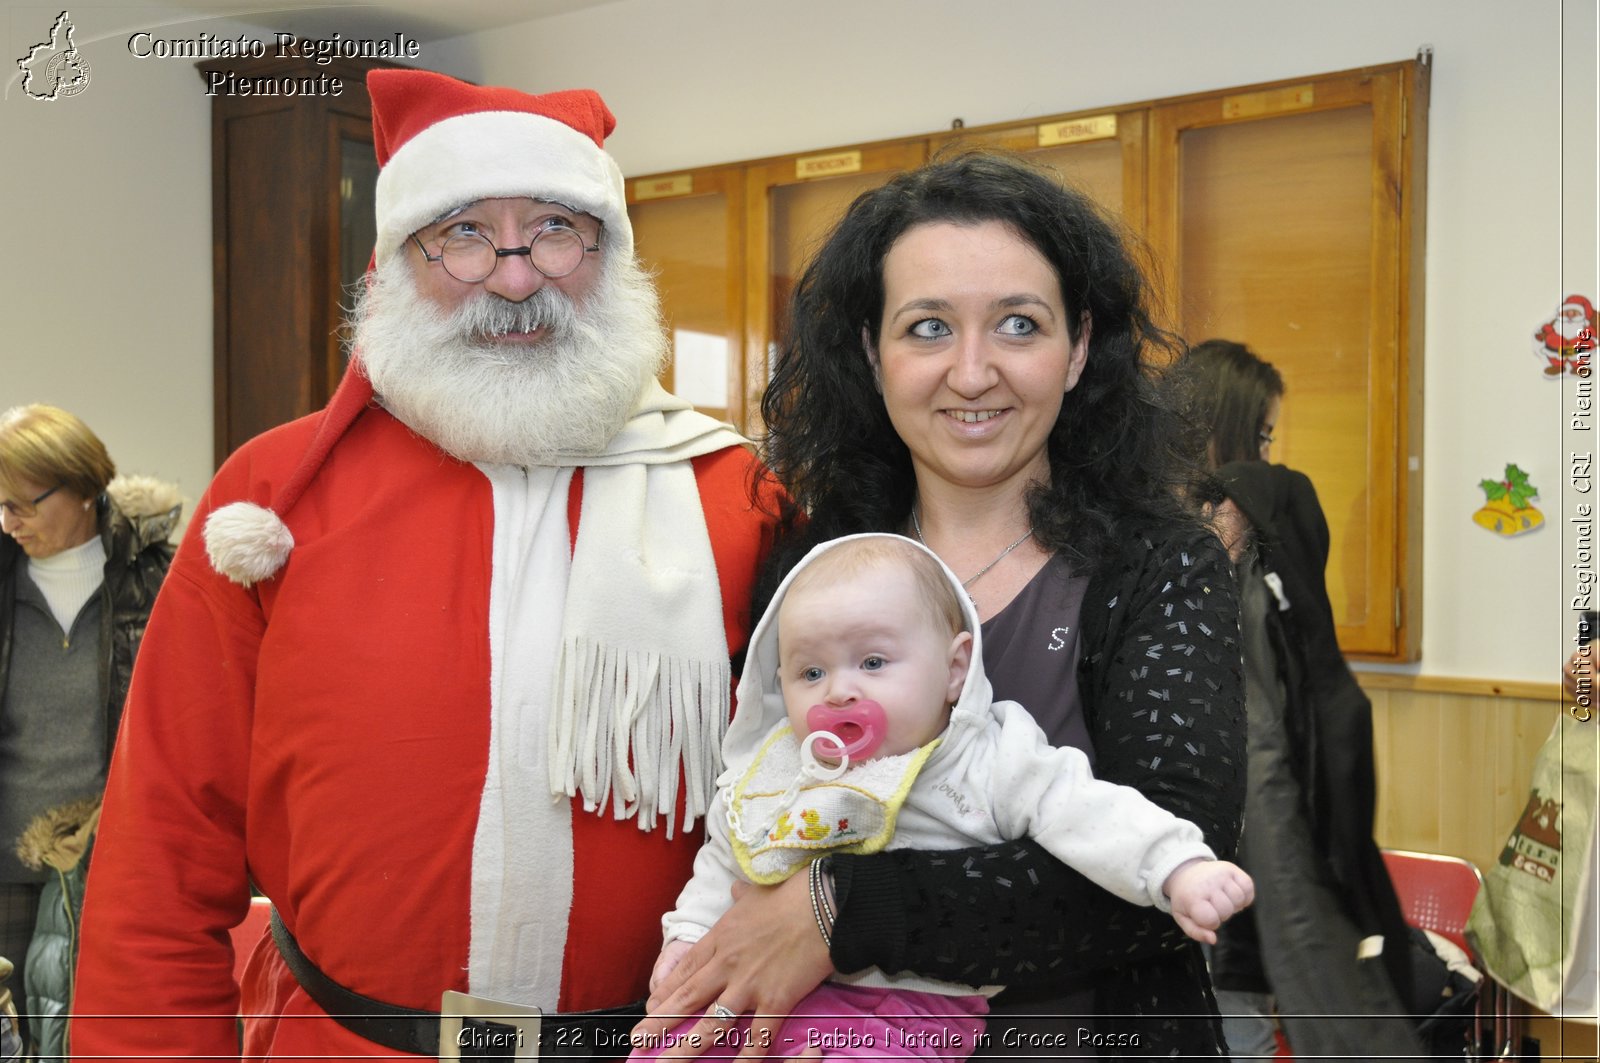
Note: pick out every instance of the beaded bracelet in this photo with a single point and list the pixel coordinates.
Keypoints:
(819, 903)
(824, 879)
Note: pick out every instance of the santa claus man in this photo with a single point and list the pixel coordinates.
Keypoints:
(446, 674)
(1567, 340)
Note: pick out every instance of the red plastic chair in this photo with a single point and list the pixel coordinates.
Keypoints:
(1436, 892)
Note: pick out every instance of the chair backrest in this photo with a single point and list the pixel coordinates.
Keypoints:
(1436, 892)
(247, 933)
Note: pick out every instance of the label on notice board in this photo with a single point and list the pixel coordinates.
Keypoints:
(678, 184)
(831, 165)
(1076, 130)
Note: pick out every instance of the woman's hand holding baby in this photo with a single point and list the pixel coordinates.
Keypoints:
(759, 959)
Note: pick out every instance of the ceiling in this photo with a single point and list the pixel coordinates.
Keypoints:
(424, 20)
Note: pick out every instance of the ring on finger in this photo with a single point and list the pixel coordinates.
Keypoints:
(721, 1011)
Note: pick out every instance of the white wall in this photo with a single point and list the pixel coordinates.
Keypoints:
(106, 257)
(105, 253)
(703, 81)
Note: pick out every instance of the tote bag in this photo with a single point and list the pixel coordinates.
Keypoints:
(1533, 925)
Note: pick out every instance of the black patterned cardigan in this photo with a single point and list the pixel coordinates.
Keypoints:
(1163, 695)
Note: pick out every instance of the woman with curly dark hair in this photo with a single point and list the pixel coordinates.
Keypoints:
(970, 363)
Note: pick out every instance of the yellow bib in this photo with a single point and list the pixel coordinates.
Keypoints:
(776, 830)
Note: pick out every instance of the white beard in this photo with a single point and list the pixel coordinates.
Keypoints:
(568, 394)
(1569, 328)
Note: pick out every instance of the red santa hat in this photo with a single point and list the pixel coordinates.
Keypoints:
(1581, 303)
(443, 143)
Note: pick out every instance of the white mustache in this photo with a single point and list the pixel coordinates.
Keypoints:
(487, 314)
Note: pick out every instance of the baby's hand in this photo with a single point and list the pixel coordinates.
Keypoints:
(671, 953)
(1207, 893)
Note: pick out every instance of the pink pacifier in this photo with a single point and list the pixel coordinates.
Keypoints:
(861, 726)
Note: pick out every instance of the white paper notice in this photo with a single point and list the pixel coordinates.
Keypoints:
(700, 368)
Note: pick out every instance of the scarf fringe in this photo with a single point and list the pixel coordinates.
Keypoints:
(626, 722)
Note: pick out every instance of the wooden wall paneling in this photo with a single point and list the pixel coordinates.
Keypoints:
(1454, 763)
(688, 229)
(221, 235)
(264, 316)
(757, 294)
(1416, 84)
(1231, 181)
(349, 236)
(1387, 455)
(1563, 1040)
(1134, 135)
(738, 361)
(1383, 759)
(1108, 166)
(1256, 265)
(277, 284)
(1409, 779)
(1094, 168)
(1470, 823)
(787, 215)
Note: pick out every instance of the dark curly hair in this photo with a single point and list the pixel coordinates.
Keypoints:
(1116, 456)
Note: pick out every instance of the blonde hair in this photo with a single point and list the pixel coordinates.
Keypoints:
(860, 555)
(49, 446)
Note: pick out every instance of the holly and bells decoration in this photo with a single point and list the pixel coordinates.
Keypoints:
(1508, 509)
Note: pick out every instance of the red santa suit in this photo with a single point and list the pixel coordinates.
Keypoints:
(444, 736)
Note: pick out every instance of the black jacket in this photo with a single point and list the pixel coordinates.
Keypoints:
(138, 516)
(1328, 718)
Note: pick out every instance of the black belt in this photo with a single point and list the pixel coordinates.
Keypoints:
(593, 1035)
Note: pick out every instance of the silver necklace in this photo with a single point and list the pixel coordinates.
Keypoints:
(967, 583)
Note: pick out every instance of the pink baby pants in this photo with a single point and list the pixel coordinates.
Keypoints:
(849, 1022)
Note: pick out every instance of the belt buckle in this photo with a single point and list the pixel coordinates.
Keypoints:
(480, 1028)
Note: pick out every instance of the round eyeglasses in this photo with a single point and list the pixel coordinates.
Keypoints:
(555, 251)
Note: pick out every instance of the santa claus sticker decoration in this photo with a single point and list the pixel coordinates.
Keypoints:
(1565, 342)
(1509, 509)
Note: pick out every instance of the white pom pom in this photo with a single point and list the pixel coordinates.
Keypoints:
(246, 542)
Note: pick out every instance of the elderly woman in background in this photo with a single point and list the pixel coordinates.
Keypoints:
(80, 563)
(1326, 940)
(970, 364)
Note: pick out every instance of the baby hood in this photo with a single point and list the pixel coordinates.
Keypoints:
(759, 702)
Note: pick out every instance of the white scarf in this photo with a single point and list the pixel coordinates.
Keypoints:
(642, 674)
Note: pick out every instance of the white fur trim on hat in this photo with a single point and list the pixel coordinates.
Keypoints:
(493, 154)
(246, 542)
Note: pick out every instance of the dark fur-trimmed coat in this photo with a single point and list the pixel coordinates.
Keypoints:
(138, 519)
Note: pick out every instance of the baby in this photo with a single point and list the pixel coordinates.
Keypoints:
(865, 721)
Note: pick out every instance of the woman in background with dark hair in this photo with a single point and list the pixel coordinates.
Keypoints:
(1326, 938)
(970, 364)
